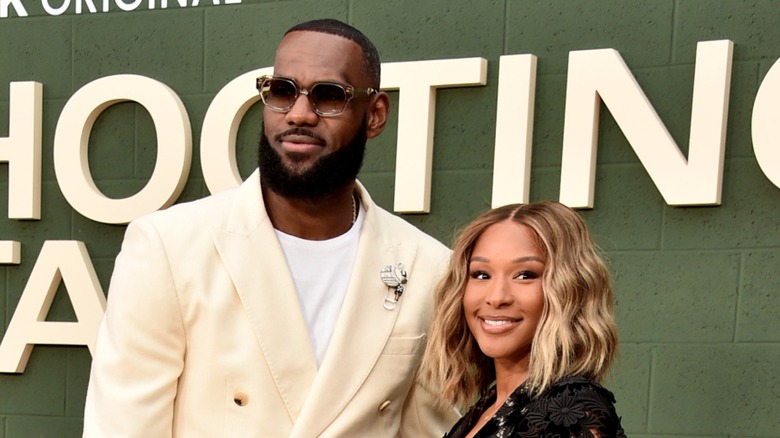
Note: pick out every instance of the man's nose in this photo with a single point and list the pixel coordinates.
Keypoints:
(302, 112)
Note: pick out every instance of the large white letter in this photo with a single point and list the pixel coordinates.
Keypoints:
(514, 129)
(220, 126)
(766, 125)
(18, 7)
(417, 82)
(71, 141)
(10, 252)
(695, 181)
(66, 261)
(22, 150)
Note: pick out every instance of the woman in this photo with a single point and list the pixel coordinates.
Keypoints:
(527, 304)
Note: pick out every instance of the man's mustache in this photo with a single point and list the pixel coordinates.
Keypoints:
(299, 131)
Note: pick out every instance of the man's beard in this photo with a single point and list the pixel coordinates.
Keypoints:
(328, 174)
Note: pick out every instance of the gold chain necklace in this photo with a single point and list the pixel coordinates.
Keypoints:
(354, 209)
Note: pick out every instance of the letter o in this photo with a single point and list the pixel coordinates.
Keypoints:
(766, 125)
(131, 6)
(71, 142)
(220, 126)
(55, 11)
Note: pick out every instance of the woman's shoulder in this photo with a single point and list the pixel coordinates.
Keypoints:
(578, 385)
(577, 405)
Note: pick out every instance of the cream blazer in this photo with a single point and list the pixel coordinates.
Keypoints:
(204, 337)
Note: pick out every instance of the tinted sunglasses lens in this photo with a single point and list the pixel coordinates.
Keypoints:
(329, 98)
(279, 94)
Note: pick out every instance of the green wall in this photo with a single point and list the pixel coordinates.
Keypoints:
(698, 296)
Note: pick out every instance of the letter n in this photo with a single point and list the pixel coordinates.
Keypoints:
(601, 74)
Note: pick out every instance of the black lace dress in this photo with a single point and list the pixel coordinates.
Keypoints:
(571, 407)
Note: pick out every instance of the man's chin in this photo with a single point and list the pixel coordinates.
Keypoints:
(297, 157)
(298, 168)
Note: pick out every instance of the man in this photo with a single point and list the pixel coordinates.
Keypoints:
(290, 306)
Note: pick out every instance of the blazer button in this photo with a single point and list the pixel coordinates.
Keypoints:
(384, 405)
(240, 398)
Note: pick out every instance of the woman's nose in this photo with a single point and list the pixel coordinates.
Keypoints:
(498, 294)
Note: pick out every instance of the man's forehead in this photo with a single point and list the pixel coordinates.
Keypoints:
(310, 53)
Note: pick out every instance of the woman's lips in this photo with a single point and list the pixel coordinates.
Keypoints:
(498, 324)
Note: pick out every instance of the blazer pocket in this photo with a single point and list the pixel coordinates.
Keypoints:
(397, 346)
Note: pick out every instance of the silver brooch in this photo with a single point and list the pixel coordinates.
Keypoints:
(394, 276)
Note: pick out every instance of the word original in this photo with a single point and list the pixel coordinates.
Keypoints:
(50, 7)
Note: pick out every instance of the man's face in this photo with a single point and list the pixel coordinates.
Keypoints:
(300, 141)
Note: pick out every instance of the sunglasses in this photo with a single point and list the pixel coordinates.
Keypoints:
(327, 98)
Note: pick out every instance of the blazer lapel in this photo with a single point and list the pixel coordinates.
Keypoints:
(363, 327)
(256, 264)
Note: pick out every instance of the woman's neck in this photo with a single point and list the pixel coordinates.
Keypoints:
(509, 376)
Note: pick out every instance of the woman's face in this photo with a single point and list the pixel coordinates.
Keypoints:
(503, 300)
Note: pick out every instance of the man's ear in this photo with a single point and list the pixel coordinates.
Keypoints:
(377, 114)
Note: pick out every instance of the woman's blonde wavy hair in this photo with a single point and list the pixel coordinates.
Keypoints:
(576, 334)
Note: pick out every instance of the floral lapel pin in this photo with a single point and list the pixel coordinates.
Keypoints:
(394, 276)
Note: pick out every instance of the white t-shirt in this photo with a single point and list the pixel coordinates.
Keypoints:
(321, 270)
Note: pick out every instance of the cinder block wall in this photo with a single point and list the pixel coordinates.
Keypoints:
(698, 296)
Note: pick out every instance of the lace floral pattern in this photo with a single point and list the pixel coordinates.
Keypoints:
(573, 407)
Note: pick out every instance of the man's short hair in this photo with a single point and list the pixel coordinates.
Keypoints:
(371, 63)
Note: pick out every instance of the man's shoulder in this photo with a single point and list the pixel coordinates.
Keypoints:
(209, 209)
(399, 228)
